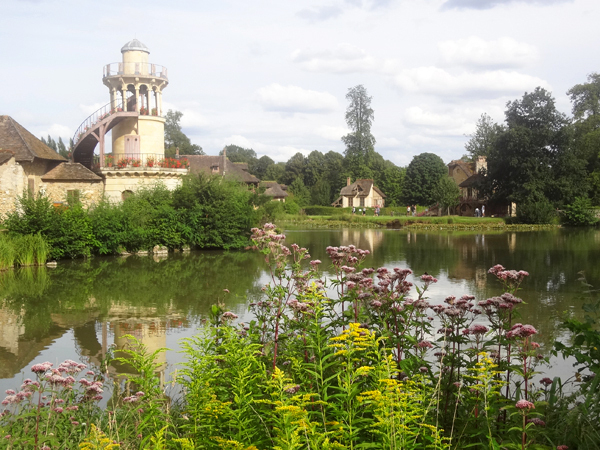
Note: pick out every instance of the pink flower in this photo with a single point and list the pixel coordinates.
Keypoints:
(425, 344)
(524, 404)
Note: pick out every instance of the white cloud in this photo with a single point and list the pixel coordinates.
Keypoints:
(90, 109)
(293, 99)
(488, 4)
(476, 52)
(435, 81)
(388, 142)
(419, 140)
(320, 13)
(332, 133)
(193, 119)
(57, 130)
(345, 58)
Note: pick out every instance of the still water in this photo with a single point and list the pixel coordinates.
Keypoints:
(81, 308)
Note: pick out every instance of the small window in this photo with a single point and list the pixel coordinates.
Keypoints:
(73, 197)
(362, 201)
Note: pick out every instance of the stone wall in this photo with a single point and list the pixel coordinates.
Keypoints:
(90, 193)
(12, 184)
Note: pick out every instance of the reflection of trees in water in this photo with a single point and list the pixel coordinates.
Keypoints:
(124, 291)
(553, 258)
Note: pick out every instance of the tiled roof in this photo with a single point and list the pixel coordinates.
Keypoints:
(476, 177)
(71, 172)
(206, 163)
(5, 155)
(360, 188)
(24, 144)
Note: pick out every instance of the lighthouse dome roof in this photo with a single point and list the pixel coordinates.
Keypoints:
(134, 45)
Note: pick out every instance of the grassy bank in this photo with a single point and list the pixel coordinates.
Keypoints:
(428, 223)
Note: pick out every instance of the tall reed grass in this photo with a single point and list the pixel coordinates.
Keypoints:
(23, 250)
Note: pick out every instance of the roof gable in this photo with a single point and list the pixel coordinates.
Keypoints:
(25, 145)
(71, 172)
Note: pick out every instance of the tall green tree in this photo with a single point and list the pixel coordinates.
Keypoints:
(313, 168)
(391, 183)
(446, 193)
(482, 141)
(300, 192)
(275, 172)
(57, 146)
(294, 168)
(360, 142)
(176, 138)
(423, 175)
(532, 157)
(585, 98)
(259, 168)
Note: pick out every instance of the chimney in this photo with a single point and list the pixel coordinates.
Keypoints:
(224, 160)
(348, 182)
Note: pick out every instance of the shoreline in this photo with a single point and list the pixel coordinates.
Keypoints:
(407, 222)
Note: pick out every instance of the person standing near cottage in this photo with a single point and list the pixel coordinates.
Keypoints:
(477, 214)
(353, 210)
(482, 210)
(364, 211)
(408, 210)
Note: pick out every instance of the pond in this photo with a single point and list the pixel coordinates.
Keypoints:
(82, 308)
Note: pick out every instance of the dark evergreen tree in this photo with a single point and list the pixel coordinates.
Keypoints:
(359, 142)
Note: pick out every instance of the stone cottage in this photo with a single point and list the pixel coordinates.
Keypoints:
(26, 163)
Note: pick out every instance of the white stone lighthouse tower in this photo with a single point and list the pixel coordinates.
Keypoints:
(135, 116)
(137, 85)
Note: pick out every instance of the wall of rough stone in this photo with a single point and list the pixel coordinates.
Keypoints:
(12, 184)
(89, 193)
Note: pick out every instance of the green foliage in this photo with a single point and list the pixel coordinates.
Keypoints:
(203, 212)
(537, 210)
(446, 193)
(67, 231)
(422, 176)
(325, 211)
(360, 143)
(532, 156)
(176, 138)
(300, 192)
(580, 213)
(291, 207)
(483, 140)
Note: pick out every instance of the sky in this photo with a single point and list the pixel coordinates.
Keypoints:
(273, 75)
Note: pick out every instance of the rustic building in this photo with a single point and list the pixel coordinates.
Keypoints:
(361, 193)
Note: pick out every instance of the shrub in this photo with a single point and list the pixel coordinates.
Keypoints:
(536, 211)
(291, 207)
(580, 213)
(325, 211)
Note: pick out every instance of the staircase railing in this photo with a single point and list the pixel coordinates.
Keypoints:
(135, 68)
(97, 116)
